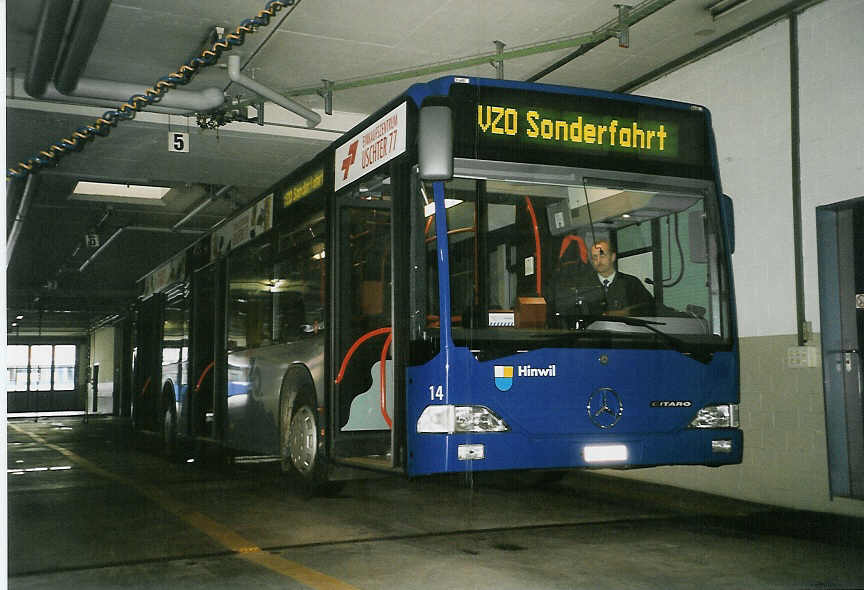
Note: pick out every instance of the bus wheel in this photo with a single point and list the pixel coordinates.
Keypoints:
(302, 446)
(169, 434)
(303, 441)
(133, 417)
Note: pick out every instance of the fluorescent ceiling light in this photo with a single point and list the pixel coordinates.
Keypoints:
(119, 192)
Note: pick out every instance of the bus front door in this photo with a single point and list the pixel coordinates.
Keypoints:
(362, 392)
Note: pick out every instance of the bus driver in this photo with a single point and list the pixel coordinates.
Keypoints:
(619, 291)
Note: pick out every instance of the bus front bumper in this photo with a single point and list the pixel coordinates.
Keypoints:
(447, 453)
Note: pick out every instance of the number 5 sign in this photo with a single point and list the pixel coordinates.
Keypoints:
(178, 142)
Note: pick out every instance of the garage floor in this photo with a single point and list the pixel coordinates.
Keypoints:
(87, 509)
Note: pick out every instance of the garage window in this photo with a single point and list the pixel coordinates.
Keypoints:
(41, 367)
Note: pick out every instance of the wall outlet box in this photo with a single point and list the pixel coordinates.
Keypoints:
(802, 357)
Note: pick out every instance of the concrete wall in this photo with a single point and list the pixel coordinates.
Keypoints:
(102, 354)
(832, 120)
(747, 88)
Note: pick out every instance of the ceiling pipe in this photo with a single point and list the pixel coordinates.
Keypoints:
(165, 230)
(82, 39)
(120, 230)
(627, 17)
(312, 118)
(99, 250)
(46, 45)
(206, 99)
(29, 187)
(200, 207)
(14, 190)
(106, 93)
(582, 50)
(68, 85)
(606, 31)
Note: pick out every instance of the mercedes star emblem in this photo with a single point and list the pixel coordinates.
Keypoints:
(604, 407)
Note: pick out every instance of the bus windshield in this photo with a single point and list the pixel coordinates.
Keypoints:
(599, 263)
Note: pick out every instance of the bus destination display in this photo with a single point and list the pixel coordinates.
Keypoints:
(581, 130)
(589, 131)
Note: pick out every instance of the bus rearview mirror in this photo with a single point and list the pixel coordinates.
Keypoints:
(435, 143)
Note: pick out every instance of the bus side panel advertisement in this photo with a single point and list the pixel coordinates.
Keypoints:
(169, 273)
(253, 222)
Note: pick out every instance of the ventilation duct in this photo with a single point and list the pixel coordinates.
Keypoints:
(82, 39)
(92, 91)
(80, 44)
(46, 45)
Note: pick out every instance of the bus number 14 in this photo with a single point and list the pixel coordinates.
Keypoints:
(436, 392)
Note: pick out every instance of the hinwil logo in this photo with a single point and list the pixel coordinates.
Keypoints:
(529, 371)
(504, 374)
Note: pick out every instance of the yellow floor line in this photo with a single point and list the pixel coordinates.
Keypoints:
(223, 535)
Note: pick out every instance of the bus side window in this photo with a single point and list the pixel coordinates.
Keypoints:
(250, 306)
(291, 315)
(298, 284)
(257, 321)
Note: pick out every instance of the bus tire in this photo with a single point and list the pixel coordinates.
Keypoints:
(301, 444)
(134, 419)
(169, 431)
(135, 423)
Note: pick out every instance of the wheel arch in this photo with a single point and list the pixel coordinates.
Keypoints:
(296, 381)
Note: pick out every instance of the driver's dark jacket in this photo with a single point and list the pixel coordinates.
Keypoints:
(625, 291)
(585, 294)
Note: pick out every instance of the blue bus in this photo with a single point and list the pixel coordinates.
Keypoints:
(482, 275)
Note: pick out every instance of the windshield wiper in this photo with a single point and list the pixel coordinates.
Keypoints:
(677, 343)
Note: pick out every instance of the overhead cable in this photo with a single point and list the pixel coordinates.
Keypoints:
(606, 31)
(102, 126)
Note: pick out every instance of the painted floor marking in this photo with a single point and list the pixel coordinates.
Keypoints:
(223, 535)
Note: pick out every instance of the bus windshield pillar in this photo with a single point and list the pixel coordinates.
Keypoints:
(443, 270)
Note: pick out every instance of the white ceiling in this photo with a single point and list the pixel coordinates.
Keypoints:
(143, 40)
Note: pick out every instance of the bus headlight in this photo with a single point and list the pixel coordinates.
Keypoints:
(449, 419)
(720, 416)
